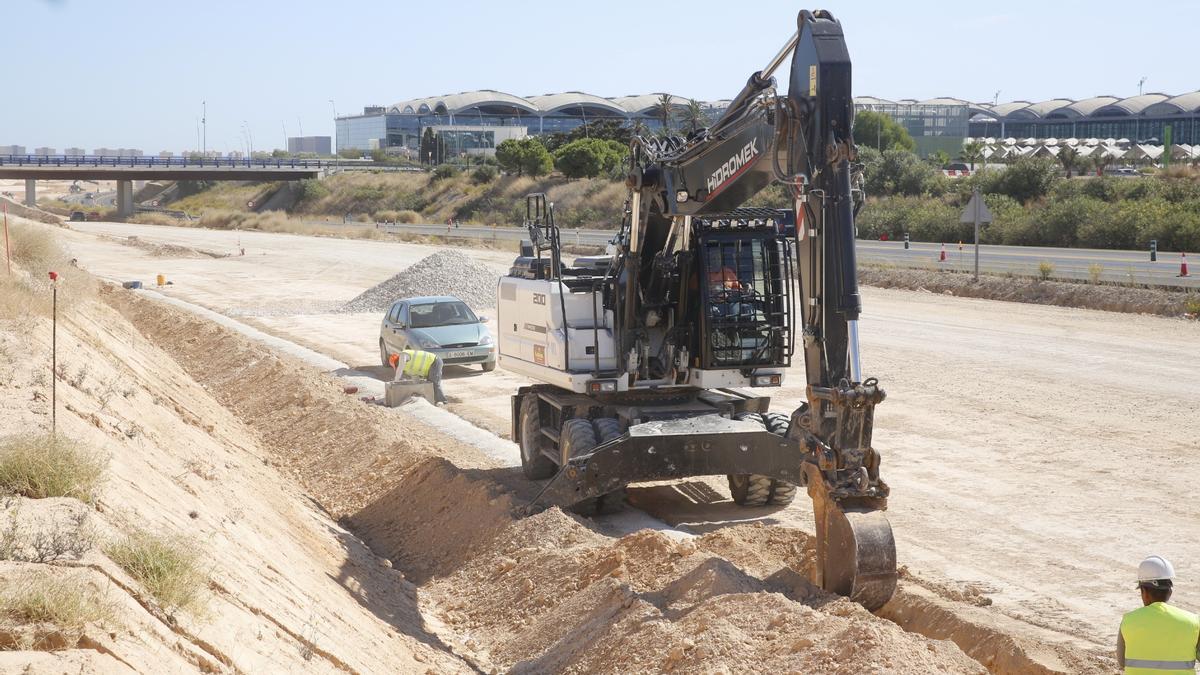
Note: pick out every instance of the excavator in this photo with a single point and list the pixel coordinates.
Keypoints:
(650, 363)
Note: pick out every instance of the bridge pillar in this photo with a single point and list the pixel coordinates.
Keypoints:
(124, 198)
(30, 192)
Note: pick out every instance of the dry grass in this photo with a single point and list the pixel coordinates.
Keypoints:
(168, 567)
(153, 218)
(224, 195)
(43, 465)
(279, 222)
(67, 603)
(36, 251)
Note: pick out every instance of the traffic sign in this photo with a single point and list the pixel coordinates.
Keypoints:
(976, 211)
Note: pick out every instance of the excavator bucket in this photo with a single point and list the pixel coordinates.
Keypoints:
(856, 555)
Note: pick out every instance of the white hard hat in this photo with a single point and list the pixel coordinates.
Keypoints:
(1156, 571)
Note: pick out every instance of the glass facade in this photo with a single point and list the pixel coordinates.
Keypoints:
(1184, 128)
(924, 120)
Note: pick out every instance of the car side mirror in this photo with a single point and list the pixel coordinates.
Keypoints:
(484, 319)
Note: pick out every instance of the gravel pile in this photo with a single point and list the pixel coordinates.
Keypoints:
(443, 273)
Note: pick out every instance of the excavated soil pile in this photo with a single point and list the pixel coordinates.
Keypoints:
(446, 272)
(1062, 293)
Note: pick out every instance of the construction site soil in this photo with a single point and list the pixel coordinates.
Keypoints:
(546, 593)
(1012, 515)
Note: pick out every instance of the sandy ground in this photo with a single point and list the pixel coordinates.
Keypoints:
(1035, 453)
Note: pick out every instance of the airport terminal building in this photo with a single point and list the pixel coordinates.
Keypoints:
(477, 121)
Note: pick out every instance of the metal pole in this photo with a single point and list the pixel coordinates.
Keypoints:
(54, 356)
(204, 122)
(7, 247)
(978, 202)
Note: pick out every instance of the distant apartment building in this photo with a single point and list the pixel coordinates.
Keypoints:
(12, 149)
(74, 152)
(117, 152)
(44, 152)
(166, 154)
(318, 145)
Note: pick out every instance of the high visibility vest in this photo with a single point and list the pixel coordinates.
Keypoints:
(1160, 638)
(418, 363)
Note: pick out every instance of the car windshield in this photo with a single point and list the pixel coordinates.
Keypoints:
(440, 314)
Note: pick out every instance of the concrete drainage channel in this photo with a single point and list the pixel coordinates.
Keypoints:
(998, 643)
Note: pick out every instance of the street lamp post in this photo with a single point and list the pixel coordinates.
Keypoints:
(204, 123)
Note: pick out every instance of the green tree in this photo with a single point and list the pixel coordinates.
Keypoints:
(428, 146)
(589, 157)
(1025, 180)
(881, 132)
(939, 159)
(899, 172)
(972, 152)
(693, 115)
(350, 153)
(1069, 158)
(663, 109)
(1100, 160)
(525, 156)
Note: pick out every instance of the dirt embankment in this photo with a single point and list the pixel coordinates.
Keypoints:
(1108, 297)
(550, 592)
(283, 587)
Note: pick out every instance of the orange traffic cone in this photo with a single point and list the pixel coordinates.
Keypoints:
(942, 257)
(1183, 265)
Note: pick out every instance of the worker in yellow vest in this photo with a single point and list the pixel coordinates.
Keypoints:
(1158, 638)
(417, 364)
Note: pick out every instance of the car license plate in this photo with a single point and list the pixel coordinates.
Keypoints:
(461, 354)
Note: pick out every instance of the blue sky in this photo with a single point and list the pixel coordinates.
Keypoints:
(133, 73)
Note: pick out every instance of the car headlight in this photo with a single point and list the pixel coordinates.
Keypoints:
(424, 342)
(486, 339)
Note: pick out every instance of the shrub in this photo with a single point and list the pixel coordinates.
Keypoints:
(484, 174)
(312, 189)
(1095, 271)
(1025, 180)
(68, 602)
(898, 172)
(44, 465)
(168, 567)
(1059, 220)
(1045, 269)
(440, 172)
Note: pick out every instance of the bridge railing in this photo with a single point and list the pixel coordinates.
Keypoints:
(163, 162)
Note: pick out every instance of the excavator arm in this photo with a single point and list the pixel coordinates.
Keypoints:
(804, 141)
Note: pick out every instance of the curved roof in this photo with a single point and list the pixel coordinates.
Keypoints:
(1184, 103)
(1041, 108)
(871, 100)
(1005, 109)
(1083, 108)
(645, 103)
(549, 103)
(453, 103)
(1134, 105)
(943, 100)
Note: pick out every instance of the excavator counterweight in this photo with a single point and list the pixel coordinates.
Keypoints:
(650, 361)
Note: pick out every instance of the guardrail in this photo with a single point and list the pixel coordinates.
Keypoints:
(156, 162)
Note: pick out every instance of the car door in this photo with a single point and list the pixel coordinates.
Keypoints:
(393, 328)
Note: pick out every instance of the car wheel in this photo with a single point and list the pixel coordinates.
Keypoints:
(383, 354)
(489, 366)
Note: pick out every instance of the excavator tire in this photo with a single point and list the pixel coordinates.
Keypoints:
(578, 437)
(535, 465)
(608, 428)
(753, 489)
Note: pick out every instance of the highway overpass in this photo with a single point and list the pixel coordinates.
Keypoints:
(125, 170)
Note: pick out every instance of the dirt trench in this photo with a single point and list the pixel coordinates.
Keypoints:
(549, 592)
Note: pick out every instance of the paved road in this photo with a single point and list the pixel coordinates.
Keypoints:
(1068, 263)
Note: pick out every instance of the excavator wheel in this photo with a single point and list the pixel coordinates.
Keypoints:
(578, 437)
(753, 489)
(608, 428)
(535, 465)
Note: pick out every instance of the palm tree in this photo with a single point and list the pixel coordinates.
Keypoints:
(693, 115)
(663, 109)
(972, 152)
(638, 127)
(1069, 158)
(940, 158)
(1101, 159)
